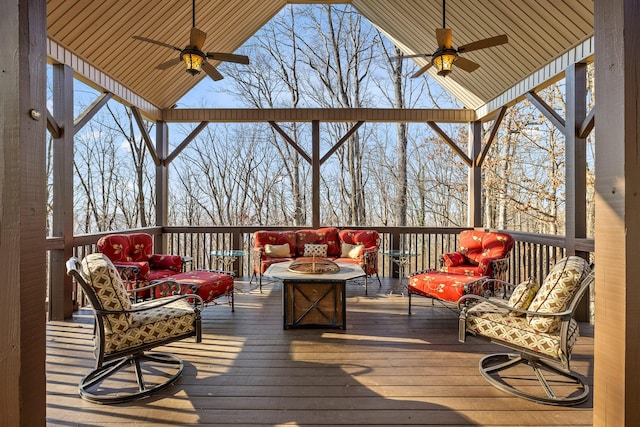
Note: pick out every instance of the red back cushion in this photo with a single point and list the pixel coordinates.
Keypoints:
(325, 236)
(368, 238)
(115, 247)
(141, 246)
(497, 245)
(265, 237)
(476, 245)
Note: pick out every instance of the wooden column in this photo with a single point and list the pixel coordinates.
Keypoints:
(162, 184)
(617, 229)
(575, 156)
(474, 208)
(23, 117)
(315, 174)
(60, 285)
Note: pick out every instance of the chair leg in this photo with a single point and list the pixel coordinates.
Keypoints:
(492, 365)
(94, 389)
(409, 295)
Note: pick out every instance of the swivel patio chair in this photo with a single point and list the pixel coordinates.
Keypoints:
(124, 334)
(539, 329)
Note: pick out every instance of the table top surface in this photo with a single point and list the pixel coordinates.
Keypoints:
(228, 253)
(347, 271)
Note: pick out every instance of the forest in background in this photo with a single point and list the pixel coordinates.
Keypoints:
(385, 174)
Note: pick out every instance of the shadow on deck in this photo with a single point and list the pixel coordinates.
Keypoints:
(387, 368)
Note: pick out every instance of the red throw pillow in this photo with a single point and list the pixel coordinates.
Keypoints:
(453, 259)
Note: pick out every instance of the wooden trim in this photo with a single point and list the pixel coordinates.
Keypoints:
(96, 78)
(342, 140)
(383, 115)
(450, 143)
(185, 142)
(91, 111)
(291, 142)
(492, 134)
(543, 77)
(546, 110)
(145, 135)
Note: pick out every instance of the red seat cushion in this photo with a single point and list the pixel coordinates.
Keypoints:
(209, 285)
(445, 286)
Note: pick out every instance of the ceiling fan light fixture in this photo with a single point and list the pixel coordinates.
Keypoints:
(193, 59)
(444, 60)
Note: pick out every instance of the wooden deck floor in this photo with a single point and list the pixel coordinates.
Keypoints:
(387, 368)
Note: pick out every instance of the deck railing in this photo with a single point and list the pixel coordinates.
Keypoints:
(533, 254)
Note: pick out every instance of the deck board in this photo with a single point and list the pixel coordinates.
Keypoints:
(387, 368)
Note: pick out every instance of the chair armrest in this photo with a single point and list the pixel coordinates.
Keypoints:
(146, 306)
(463, 306)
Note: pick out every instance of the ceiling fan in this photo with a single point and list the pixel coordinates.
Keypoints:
(193, 56)
(446, 55)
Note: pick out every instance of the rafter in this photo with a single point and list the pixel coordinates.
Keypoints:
(451, 143)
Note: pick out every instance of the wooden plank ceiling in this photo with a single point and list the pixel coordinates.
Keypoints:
(100, 32)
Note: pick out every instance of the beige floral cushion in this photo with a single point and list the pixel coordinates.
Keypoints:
(158, 324)
(523, 294)
(107, 285)
(488, 320)
(278, 251)
(352, 251)
(556, 292)
(314, 249)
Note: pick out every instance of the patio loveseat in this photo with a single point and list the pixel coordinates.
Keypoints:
(353, 246)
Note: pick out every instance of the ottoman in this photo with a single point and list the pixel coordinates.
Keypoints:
(445, 286)
(209, 285)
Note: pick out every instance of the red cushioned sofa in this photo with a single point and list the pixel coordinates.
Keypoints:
(354, 246)
(480, 254)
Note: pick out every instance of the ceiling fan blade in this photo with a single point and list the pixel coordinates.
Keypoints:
(144, 39)
(465, 64)
(417, 55)
(444, 37)
(168, 64)
(422, 70)
(228, 57)
(482, 44)
(197, 38)
(211, 71)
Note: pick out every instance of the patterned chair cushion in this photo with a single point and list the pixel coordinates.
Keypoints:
(115, 246)
(523, 294)
(488, 320)
(315, 250)
(324, 236)
(109, 289)
(140, 246)
(176, 318)
(556, 291)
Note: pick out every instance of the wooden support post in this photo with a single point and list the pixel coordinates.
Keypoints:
(616, 387)
(315, 174)
(576, 168)
(474, 208)
(61, 304)
(23, 121)
(162, 184)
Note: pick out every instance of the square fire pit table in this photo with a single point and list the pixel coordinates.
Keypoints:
(314, 300)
